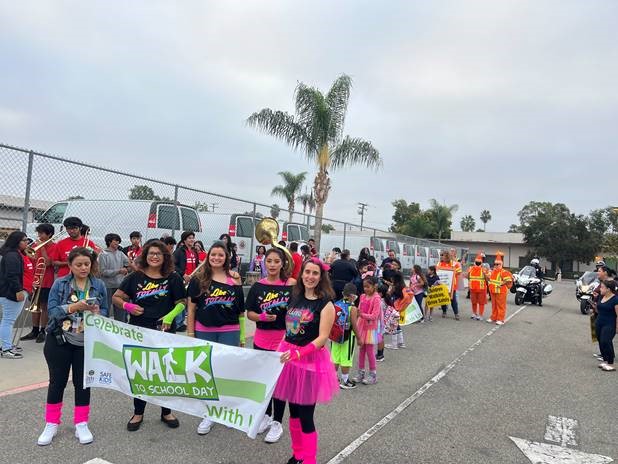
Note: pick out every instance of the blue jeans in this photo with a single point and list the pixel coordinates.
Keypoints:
(180, 319)
(454, 305)
(225, 338)
(10, 312)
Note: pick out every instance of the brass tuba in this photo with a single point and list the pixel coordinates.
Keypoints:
(267, 233)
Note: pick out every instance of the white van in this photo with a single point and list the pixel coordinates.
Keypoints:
(354, 241)
(421, 257)
(407, 257)
(152, 218)
(434, 256)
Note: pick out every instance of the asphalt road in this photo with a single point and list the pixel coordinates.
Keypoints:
(504, 382)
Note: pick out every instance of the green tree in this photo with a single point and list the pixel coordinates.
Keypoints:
(552, 231)
(514, 228)
(75, 197)
(467, 223)
(275, 210)
(327, 228)
(441, 216)
(317, 130)
(292, 183)
(410, 219)
(144, 192)
(201, 206)
(485, 218)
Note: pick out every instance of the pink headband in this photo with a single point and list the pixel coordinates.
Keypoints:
(325, 267)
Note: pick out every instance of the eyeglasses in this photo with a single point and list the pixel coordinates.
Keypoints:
(155, 255)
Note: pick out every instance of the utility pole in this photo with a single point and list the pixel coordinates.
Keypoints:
(213, 206)
(361, 210)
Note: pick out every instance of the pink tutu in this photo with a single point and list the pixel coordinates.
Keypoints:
(309, 380)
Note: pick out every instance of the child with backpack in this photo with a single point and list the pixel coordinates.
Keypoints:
(390, 314)
(401, 299)
(367, 330)
(342, 335)
(432, 279)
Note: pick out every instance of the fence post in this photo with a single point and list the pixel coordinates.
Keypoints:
(253, 235)
(175, 204)
(345, 226)
(24, 220)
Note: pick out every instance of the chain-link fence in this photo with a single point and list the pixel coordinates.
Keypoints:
(37, 188)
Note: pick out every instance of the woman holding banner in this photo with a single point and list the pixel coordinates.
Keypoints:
(69, 297)
(308, 376)
(153, 296)
(267, 305)
(216, 306)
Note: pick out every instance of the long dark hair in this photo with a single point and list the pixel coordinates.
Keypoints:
(398, 285)
(12, 242)
(324, 288)
(228, 242)
(88, 253)
(282, 274)
(419, 272)
(168, 264)
(204, 274)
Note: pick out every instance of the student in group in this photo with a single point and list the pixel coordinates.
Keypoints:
(257, 263)
(70, 296)
(44, 254)
(153, 296)
(227, 241)
(305, 253)
(114, 265)
(16, 277)
(186, 259)
(73, 226)
(216, 318)
(135, 249)
(418, 284)
(389, 314)
(267, 304)
(401, 299)
(432, 280)
(343, 335)
(198, 246)
(606, 323)
(308, 376)
(312, 249)
(170, 243)
(367, 330)
(298, 260)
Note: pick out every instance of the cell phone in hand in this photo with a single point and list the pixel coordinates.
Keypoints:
(91, 301)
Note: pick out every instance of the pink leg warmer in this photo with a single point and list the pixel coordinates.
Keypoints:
(297, 438)
(80, 414)
(310, 448)
(53, 413)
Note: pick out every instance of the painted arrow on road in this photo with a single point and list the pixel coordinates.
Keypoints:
(544, 453)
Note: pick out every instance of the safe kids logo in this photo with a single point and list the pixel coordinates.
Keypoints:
(171, 371)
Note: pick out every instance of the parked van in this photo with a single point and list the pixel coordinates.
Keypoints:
(421, 257)
(355, 242)
(152, 218)
(434, 256)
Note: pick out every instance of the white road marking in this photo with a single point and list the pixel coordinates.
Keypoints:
(348, 450)
(561, 430)
(97, 461)
(544, 453)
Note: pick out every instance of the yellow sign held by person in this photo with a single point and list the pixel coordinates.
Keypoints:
(438, 295)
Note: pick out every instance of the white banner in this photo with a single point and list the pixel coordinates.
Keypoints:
(446, 278)
(411, 314)
(229, 385)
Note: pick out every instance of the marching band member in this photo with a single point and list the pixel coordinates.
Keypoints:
(73, 226)
(153, 296)
(135, 249)
(69, 297)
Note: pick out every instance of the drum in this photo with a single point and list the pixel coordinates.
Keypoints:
(252, 277)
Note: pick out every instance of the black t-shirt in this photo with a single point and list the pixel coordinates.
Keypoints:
(220, 305)
(157, 296)
(302, 321)
(343, 270)
(272, 299)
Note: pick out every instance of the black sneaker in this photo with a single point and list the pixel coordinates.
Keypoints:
(10, 354)
(380, 358)
(293, 460)
(40, 338)
(31, 336)
(348, 385)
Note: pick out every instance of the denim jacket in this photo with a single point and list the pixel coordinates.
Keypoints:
(59, 299)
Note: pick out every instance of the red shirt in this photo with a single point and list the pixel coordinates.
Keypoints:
(28, 274)
(191, 261)
(48, 277)
(298, 262)
(203, 255)
(133, 252)
(64, 247)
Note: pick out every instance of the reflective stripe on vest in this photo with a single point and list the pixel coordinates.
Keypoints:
(477, 282)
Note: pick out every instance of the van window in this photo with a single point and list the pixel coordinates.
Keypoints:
(54, 215)
(421, 251)
(408, 250)
(244, 226)
(167, 217)
(293, 233)
(304, 233)
(190, 220)
(377, 244)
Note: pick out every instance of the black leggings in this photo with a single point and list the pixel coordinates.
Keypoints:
(61, 360)
(274, 404)
(304, 412)
(605, 335)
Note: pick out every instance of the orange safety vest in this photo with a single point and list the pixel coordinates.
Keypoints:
(476, 276)
(498, 277)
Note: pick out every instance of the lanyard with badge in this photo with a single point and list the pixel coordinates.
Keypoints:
(76, 323)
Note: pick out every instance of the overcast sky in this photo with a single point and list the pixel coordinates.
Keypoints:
(485, 104)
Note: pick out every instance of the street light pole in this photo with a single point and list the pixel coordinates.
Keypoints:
(361, 210)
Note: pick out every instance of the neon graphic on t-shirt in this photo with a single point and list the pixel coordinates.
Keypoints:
(274, 300)
(220, 297)
(296, 320)
(152, 289)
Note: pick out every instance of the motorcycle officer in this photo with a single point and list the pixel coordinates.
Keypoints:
(539, 275)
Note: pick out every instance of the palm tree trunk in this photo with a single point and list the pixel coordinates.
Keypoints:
(321, 188)
(290, 212)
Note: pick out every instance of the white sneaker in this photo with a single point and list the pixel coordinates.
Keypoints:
(499, 323)
(388, 346)
(83, 433)
(48, 434)
(266, 421)
(204, 426)
(489, 320)
(275, 432)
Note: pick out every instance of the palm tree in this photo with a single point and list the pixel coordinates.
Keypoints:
(485, 218)
(292, 183)
(308, 202)
(317, 130)
(441, 216)
(467, 223)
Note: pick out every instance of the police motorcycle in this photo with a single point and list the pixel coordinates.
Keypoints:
(584, 289)
(528, 287)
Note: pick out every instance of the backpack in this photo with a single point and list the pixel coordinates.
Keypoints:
(341, 326)
(391, 319)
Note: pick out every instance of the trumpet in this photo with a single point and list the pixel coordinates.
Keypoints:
(267, 232)
(31, 251)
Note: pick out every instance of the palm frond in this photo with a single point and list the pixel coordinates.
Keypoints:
(355, 151)
(313, 114)
(337, 99)
(279, 191)
(280, 125)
